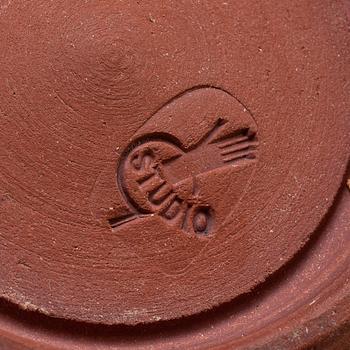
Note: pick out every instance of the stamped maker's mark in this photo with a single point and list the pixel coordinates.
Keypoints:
(157, 176)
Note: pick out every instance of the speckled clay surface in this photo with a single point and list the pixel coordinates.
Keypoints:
(174, 174)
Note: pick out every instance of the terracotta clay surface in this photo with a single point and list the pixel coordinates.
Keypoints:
(174, 168)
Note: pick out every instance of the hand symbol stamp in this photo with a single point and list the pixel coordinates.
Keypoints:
(159, 175)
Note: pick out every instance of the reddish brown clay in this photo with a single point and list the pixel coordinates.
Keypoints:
(172, 167)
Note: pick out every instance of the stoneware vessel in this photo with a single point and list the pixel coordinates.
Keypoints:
(173, 174)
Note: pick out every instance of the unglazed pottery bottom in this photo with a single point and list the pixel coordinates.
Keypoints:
(173, 174)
